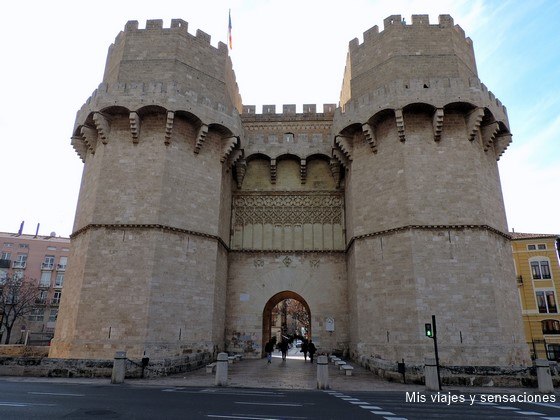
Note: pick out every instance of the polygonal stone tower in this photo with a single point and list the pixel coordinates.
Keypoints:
(420, 135)
(148, 246)
(196, 215)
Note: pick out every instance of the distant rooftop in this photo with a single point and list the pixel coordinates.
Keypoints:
(518, 235)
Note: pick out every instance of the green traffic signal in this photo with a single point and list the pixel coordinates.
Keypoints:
(429, 332)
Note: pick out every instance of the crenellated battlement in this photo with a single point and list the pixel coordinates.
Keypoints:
(397, 22)
(177, 26)
(289, 109)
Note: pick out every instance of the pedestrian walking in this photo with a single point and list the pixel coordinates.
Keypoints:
(268, 349)
(304, 349)
(312, 350)
(284, 348)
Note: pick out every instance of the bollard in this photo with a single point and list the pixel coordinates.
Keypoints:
(119, 368)
(430, 375)
(322, 372)
(544, 378)
(221, 370)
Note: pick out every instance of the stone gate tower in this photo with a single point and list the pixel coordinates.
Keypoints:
(196, 214)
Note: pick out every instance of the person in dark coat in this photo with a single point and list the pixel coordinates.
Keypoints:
(311, 349)
(284, 348)
(304, 349)
(269, 348)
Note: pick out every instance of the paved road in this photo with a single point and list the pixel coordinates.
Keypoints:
(54, 400)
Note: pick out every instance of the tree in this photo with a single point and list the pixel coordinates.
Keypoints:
(18, 297)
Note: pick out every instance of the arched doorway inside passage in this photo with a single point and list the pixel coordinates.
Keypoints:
(286, 314)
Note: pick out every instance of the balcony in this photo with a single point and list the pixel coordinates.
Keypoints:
(19, 264)
(47, 266)
(40, 301)
(61, 267)
(5, 263)
(44, 285)
(55, 301)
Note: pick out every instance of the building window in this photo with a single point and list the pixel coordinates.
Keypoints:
(56, 298)
(59, 281)
(37, 314)
(550, 326)
(540, 269)
(62, 263)
(546, 302)
(5, 256)
(531, 247)
(541, 246)
(553, 352)
(48, 263)
(45, 279)
(51, 248)
(53, 315)
(42, 299)
(8, 244)
(20, 261)
(23, 245)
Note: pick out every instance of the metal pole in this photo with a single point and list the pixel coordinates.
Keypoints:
(435, 350)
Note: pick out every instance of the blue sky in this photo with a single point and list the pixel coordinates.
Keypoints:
(284, 52)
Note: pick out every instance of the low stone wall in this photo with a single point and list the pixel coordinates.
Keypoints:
(22, 350)
(478, 376)
(86, 368)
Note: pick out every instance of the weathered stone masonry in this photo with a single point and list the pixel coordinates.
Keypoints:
(195, 212)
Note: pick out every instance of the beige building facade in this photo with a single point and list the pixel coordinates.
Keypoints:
(197, 214)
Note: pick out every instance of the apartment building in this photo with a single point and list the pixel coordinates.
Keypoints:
(537, 268)
(40, 259)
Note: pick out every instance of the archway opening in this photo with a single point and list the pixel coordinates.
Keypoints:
(286, 315)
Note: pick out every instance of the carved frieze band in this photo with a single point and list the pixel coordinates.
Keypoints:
(288, 209)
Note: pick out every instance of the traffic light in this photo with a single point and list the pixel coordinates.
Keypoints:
(429, 332)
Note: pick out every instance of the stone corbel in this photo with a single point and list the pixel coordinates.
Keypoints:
(229, 144)
(399, 118)
(200, 137)
(273, 171)
(438, 123)
(335, 170)
(303, 170)
(102, 125)
(240, 169)
(169, 126)
(370, 136)
(89, 137)
(489, 132)
(474, 118)
(134, 126)
(345, 145)
(337, 154)
(79, 146)
(501, 143)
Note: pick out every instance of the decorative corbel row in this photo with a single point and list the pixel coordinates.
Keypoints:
(489, 132)
(273, 171)
(337, 154)
(501, 143)
(400, 124)
(89, 137)
(438, 123)
(240, 169)
(169, 127)
(345, 145)
(228, 145)
(200, 137)
(102, 125)
(303, 170)
(335, 170)
(370, 136)
(79, 146)
(134, 126)
(474, 118)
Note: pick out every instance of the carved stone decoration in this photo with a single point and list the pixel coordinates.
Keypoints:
(169, 126)
(474, 118)
(200, 137)
(501, 143)
(79, 146)
(287, 261)
(273, 171)
(134, 126)
(399, 118)
(337, 154)
(314, 263)
(438, 123)
(240, 169)
(89, 137)
(335, 170)
(102, 125)
(303, 170)
(345, 145)
(489, 132)
(258, 262)
(370, 136)
(229, 144)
